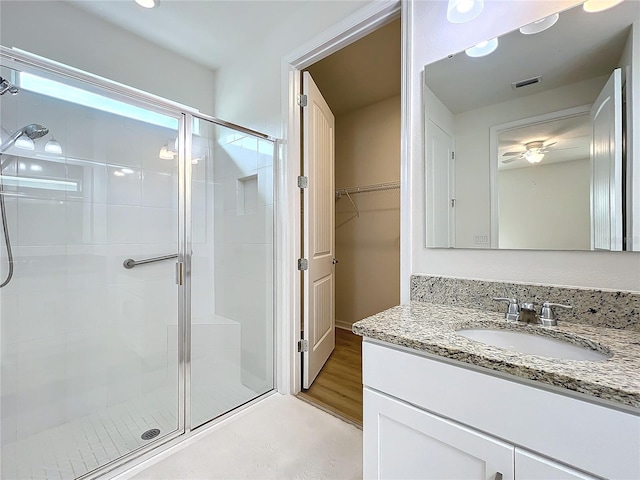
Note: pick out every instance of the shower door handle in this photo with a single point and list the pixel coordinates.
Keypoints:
(130, 262)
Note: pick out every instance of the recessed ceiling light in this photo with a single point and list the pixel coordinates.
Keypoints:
(148, 3)
(540, 25)
(460, 11)
(483, 48)
(593, 6)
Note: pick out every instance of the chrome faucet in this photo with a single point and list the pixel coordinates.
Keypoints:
(513, 310)
(526, 312)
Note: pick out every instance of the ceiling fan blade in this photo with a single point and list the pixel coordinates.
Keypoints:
(509, 160)
(547, 145)
(511, 154)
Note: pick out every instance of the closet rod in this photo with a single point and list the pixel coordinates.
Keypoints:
(368, 188)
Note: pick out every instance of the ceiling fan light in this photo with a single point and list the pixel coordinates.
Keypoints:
(53, 146)
(540, 25)
(148, 3)
(460, 11)
(483, 48)
(534, 157)
(594, 6)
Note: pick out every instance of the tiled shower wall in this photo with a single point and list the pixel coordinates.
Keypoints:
(243, 169)
(80, 332)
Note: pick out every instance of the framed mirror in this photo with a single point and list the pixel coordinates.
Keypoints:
(531, 146)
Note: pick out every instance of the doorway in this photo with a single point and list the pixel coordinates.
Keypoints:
(361, 84)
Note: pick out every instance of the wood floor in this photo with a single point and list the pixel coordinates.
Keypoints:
(338, 386)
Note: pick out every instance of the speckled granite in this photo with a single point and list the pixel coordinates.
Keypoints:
(591, 307)
(432, 328)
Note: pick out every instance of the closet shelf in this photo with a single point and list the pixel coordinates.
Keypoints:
(378, 187)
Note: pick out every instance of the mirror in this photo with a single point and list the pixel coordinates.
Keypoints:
(529, 147)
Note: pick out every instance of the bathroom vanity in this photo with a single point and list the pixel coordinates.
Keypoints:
(440, 405)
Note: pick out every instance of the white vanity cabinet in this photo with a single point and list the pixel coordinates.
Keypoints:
(425, 418)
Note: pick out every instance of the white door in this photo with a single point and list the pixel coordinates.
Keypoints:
(440, 179)
(404, 442)
(319, 239)
(606, 166)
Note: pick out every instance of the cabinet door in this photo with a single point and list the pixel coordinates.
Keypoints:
(404, 442)
(532, 467)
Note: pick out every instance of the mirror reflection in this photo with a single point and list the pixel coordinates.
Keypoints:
(529, 146)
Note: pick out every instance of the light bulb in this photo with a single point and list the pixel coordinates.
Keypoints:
(534, 156)
(148, 3)
(25, 143)
(540, 25)
(460, 11)
(52, 146)
(594, 6)
(166, 154)
(483, 48)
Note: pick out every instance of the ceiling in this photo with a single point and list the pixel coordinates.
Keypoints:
(571, 139)
(579, 46)
(209, 32)
(363, 73)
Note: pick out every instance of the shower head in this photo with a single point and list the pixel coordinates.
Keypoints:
(33, 131)
(7, 86)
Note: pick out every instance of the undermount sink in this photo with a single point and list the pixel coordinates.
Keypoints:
(532, 344)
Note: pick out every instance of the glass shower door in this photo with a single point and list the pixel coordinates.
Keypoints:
(231, 274)
(89, 340)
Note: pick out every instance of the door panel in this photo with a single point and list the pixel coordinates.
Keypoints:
(319, 238)
(606, 165)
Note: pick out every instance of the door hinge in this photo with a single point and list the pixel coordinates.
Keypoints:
(453, 155)
(303, 345)
(303, 264)
(453, 202)
(303, 182)
(302, 100)
(180, 273)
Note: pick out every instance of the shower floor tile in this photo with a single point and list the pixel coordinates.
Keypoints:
(77, 447)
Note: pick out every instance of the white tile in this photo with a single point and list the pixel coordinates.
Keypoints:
(124, 185)
(86, 266)
(86, 223)
(265, 153)
(40, 269)
(9, 321)
(159, 225)
(124, 224)
(265, 186)
(42, 222)
(41, 316)
(158, 189)
(91, 177)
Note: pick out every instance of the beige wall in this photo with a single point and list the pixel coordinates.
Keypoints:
(368, 247)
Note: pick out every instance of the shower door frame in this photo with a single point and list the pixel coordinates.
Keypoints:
(25, 61)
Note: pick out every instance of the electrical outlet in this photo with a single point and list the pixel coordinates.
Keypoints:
(480, 239)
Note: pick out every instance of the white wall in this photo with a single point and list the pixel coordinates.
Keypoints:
(433, 38)
(546, 206)
(248, 88)
(66, 34)
(473, 166)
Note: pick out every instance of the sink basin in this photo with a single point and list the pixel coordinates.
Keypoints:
(532, 344)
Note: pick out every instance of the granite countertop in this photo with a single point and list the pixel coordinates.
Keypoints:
(431, 328)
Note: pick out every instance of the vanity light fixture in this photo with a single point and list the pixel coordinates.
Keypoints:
(540, 25)
(53, 146)
(167, 152)
(593, 6)
(148, 3)
(460, 11)
(25, 143)
(483, 48)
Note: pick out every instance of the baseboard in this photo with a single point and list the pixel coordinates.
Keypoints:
(343, 325)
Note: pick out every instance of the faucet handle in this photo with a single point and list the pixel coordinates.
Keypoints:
(548, 316)
(513, 310)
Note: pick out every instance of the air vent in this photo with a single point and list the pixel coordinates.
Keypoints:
(528, 81)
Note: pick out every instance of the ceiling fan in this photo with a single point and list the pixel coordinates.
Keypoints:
(533, 152)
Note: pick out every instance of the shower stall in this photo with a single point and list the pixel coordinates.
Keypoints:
(136, 265)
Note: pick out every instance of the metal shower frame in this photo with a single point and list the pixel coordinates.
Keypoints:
(24, 61)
